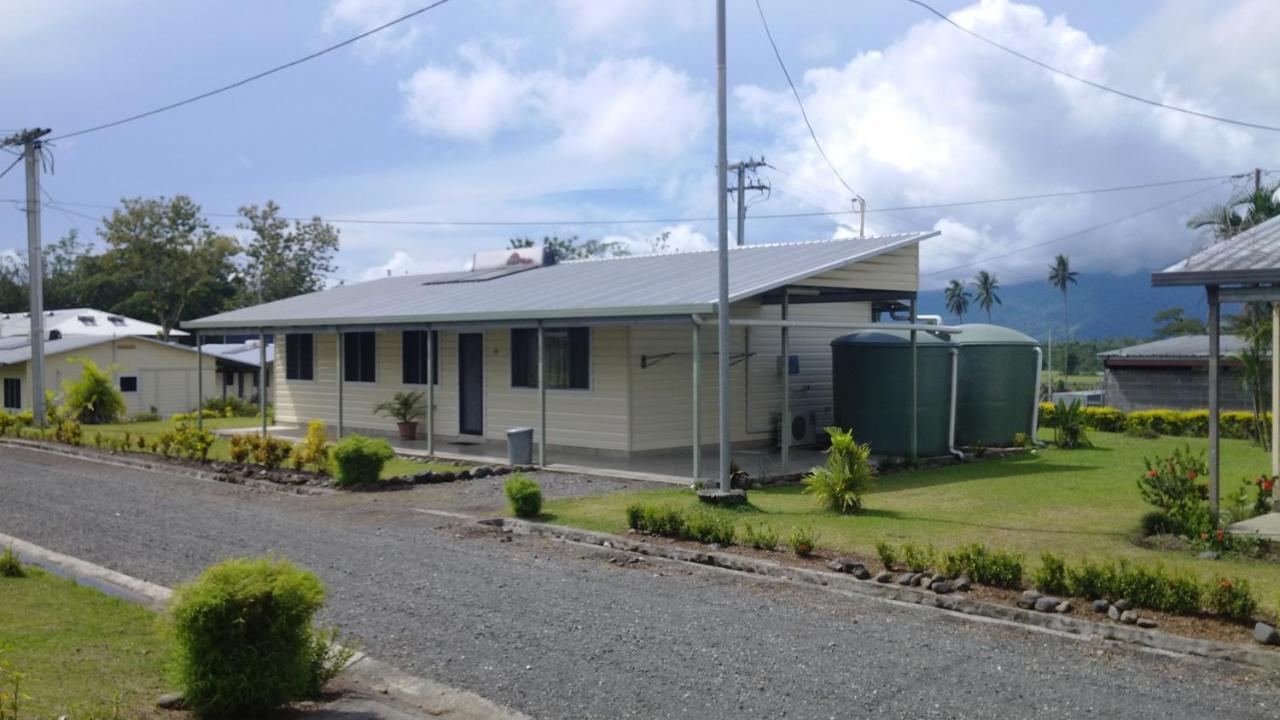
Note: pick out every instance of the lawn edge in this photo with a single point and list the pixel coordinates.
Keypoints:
(1066, 625)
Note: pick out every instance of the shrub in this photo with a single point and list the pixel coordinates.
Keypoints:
(241, 448)
(94, 398)
(145, 416)
(1232, 599)
(989, 567)
(848, 473)
(189, 441)
(1182, 594)
(1069, 428)
(1159, 522)
(231, 407)
(1022, 440)
(1142, 433)
(635, 516)
(271, 452)
(1051, 576)
(1164, 422)
(1170, 482)
(1087, 580)
(1104, 419)
(708, 527)
(761, 538)
(325, 659)
(662, 520)
(10, 565)
(888, 555)
(802, 541)
(918, 558)
(358, 460)
(244, 637)
(1047, 416)
(69, 432)
(524, 496)
(313, 452)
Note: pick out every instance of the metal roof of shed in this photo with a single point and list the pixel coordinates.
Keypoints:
(1182, 347)
(632, 286)
(16, 349)
(1249, 257)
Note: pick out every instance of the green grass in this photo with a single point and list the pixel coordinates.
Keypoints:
(1078, 503)
(77, 648)
(1089, 381)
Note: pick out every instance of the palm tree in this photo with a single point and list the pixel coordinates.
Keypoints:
(1242, 211)
(984, 291)
(958, 298)
(1060, 276)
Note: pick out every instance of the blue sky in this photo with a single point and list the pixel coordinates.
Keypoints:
(586, 109)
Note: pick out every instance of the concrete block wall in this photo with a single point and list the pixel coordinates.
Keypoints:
(1173, 388)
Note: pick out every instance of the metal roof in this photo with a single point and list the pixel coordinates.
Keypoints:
(1249, 257)
(245, 353)
(17, 349)
(1183, 347)
(641, 285)
(80, 321)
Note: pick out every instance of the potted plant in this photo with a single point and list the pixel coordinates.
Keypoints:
(406, 408)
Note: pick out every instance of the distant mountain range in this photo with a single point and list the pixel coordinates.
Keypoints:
(1100, 307)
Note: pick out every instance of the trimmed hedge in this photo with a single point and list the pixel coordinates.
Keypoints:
(1236, 424)
(358, 460)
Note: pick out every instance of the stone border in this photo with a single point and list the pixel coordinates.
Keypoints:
(1084, 629)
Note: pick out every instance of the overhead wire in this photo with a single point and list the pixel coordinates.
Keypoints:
(11, 166)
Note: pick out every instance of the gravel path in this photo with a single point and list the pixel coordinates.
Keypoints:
(558, 632)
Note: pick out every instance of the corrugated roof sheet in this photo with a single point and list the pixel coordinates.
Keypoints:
(80, 321)
(1178, 348)
(17, 349)
(243, 353)
(666, 284)
(1252, 256)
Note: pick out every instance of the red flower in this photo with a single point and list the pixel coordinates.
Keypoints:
(1151, 473)
(1219, 535)
(1191, 474)
(1267, 485)
(1225, 584)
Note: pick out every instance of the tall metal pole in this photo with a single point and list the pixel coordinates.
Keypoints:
(431, 391)
(342, 351)
(915, 387)
(1214, 329)
(722, 204)
(697, 401)
(35, 274)
(739, 239)
(199, 380)
(784, 419)
(542, 397)
(262, 378)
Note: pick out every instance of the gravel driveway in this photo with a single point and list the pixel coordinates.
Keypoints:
(559, 632)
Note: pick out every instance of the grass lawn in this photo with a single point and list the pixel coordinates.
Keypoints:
(1090, 381)
(77, 648)
(1077, 503)
(222, 446)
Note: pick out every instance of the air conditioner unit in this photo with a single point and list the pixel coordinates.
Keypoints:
(804, 429)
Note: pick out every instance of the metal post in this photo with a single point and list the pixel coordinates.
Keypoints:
(431, 391)
(35, 273)
(199, 379)
(784, 420)
(739, 239)
(542, 397)
(1275, 401)
(915, 382)
(1214, 329)
(697, 401)
(722, 204)
(262, 378)
(341, 372)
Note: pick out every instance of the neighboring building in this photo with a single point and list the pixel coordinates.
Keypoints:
(81, 321)
(1173, 373)
(238, 366)
(619, 335)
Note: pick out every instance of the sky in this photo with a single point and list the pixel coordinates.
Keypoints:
(552, 111)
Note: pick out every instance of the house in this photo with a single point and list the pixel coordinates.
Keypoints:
(1173, 373)
(239, 365)
(149, 372)
(628, 344)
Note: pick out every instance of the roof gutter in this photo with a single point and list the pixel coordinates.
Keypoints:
(830, 324)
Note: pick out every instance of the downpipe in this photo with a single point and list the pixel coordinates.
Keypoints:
(1035, 398)
(951, 427)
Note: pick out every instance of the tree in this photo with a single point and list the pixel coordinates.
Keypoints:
(1253, 324)
(570, 249)
(283, 260)
(958, 297)
(1061, 276)
(1244, 210)
(1172, 322)
(985, 285)
(166, 253)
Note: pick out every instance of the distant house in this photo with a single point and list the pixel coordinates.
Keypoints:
(1173, 373)
(149, 372)
(238, 366)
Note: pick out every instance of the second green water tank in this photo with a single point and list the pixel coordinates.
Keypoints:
(998, 377)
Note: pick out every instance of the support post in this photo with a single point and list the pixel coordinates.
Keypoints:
(1275, 402)
(1215, 312)
(431, 390)
(915, 383)
(35, 274)
(697, 401)
(784, 419)
(722, 204)
(739, 240)
(199, 379)
(262, 378)
(542, 396)
(342, 372)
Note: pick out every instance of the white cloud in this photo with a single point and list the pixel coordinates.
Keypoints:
(625, 22)
(350, 17)
(402, 263)
(678, 238)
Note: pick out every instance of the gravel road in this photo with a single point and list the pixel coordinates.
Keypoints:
(557, 631)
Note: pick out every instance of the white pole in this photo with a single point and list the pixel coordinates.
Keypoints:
(697, 401)
(262, 380)
(199, 379)
(35, 280)
(341, 372)
(784, 420)
(1275, 401)
(542, 397)
(431, 391)
(722, 204)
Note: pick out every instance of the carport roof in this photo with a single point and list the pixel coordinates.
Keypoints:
(643, 285)
(1248, 258)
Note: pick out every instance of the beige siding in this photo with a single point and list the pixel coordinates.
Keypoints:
(897, 270)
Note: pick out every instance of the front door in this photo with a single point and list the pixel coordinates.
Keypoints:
(471, 383)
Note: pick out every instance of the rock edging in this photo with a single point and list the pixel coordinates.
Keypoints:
(1086, 629)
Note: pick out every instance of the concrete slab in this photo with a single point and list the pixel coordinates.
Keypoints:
(1266, 526)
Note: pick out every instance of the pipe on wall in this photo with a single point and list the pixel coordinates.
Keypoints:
(951, 425)
(1035, 398)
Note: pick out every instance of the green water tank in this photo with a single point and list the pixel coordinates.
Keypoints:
(871, 390)
(999, 373)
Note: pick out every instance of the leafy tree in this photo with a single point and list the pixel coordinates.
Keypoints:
(1061, 276)
(166, 253)
(1244, 210)
(958, 298)
(571, 249)
(1253, 324)
(284, 260)
(1172, 322)
(985, 285)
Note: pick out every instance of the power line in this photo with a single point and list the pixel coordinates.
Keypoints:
(11, 165)
(1084, 231)
(258, 76)
(1090, 83)
(800, 102)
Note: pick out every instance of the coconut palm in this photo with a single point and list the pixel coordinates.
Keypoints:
(1242, 211)
(985, 285)
(1061, 276)
(958, 297)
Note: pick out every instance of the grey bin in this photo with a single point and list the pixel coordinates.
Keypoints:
(520, 446)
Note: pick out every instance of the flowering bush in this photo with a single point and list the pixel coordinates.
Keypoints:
(1171, 483)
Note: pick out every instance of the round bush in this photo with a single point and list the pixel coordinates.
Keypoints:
(358, 460)
(244, 636)
(524, 495)
(1159, 522)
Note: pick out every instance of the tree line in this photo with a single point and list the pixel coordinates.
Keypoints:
(161, 260)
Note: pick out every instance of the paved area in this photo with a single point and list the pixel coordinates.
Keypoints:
(557, 631)
(1265, 526)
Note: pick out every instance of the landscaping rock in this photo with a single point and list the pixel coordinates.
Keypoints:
(922, 580)
(714, 547)
(962, 584)
(170, 701)
(942, 587)
(1064, 607)
(501, 470)
(1046, 604)
(1128, 617)
(841, 564)
(1208, 555)
(860, 571)
(1123, 604)
(907, 579)
(445, 476)
(1100, 606)
(1113, 612)
(483, 471)
(1028, 599)
(463, 475)
(1146, 622)
(1266, 634)
(884, 576)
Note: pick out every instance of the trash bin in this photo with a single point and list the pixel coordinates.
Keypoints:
(520, 446)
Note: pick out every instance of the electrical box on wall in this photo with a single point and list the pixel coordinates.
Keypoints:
(793, 365)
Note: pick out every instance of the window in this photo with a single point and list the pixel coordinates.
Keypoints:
(115, 320)
(300, 356)
(358, 356)
(88, 320)
(13, 393)
(413, 357)
(129, 383)
(228, 378)
(568, 358)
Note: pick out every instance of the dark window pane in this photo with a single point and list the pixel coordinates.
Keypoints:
(579, 358)
(358, 356)
(128, 383)
(411, 359)
(13, 393)
(524, 357)
(567, 358)
(299, 356)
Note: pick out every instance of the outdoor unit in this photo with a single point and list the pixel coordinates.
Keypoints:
(804, 428)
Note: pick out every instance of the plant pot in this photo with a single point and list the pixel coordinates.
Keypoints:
(408, 430)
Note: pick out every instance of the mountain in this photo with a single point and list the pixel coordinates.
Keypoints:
(1100, 306)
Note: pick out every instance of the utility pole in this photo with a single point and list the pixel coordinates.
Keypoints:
(31, 149)
(722, 306)
(742, 168)
(1257, 180)
(861, 203)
